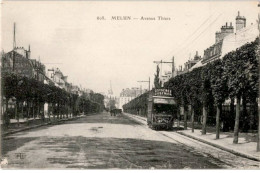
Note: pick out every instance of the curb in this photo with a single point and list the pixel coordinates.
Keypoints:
(221, 147)
(36, 126)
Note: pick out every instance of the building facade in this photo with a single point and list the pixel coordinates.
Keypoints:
(228, 39)
(18, 61)
(128, 94)
(214, 52)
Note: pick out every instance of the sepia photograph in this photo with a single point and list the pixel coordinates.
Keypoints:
(139, 85)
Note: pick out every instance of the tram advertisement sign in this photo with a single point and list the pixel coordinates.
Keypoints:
(163, 92)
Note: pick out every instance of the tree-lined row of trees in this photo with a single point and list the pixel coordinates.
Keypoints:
(231, 81)
(138, 105)
(235, 77)
(30, 95)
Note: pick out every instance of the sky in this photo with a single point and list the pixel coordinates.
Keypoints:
(94, 52)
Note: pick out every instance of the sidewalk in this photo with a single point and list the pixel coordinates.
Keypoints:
(246, 146)
(31, 124)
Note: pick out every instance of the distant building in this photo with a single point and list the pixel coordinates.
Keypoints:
(127, 95)
(168, 74)
(189, 64)
(164, 78)
(110, 98)
(59, 79)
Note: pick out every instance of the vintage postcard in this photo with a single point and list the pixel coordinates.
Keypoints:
(130, 84)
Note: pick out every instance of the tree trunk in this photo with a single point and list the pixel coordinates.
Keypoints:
(245, 121)
(49, 111)
(33, 107)
(204, 123)
(232, 112)
(217, 120)
(22, 110)
(55, 111)
(178, 118)
(16, 112)
(6, 110)
(258, 136)
(42, 111)
(58, 110)
(38, 108)
(236, 128)
(185, 118)
(192, 119)
(253, 106)
(28, 110)
(67, 111)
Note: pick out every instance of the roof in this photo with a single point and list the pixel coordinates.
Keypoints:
(235, 40)
(238, 39)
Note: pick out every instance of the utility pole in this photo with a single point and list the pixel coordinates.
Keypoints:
(166, 62)
(14, 46)
(14, 41)
(146, 82)
(173, 66)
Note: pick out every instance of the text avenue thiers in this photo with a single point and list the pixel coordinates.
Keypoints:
(134, 18)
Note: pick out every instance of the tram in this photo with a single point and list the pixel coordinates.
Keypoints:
(161, 109)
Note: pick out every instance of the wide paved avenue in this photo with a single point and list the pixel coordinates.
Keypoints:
(103, 141)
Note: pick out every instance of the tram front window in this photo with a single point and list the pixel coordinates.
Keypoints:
(163, 109)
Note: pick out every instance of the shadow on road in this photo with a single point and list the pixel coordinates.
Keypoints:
(10, 143)
(102, 153)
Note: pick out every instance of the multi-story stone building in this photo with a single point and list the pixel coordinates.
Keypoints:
(19, 62)
(59, 79)
(127, 95)
(228, 39)
(215, 51)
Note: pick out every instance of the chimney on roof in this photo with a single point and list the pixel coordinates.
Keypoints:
(240, 22)
(28, 53)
